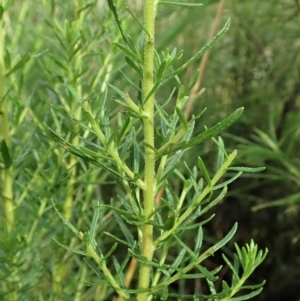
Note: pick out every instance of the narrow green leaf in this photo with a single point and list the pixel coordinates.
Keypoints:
(106, 125)
(184, 246)
(68, 248)
(215, 201)
(204, 171)
(133, 114)
(73, 92)
(120, 277)
(126, 145)
(58, 63)
(193, 226)
(163, 115)
(117, 19)
(116, 89)
(254, 286)
(226, 239)
(134, 222)
(114, 136)
(94, 221)
(123, 242)
(169, 98)
(157, 60)
(142, 259)
(131, 54)
(178, 260)
(121, 102)
(182, 118)
(161, 70)
(174, 57)
(132, 83)
(90, 263)
(55, 119)
(193, 83)
(156, 86)
(19, 64)
(226, 183)
(199, 115)
(218, 128)
(180, 3)
(209, 45)
(247, 296)
(199, 239)
(5, 155)
(123, 130)
(93, 154)
(211, 132)
(138, 70)
(124, 229)
(171, 165)
(120, 270)
(158, 135)
(172, 198)
(138, 51)
(112, 249)
(247, 169)
(192, 217)
(235, 275)
(150, 146)
(136, 157)
(208, 275)
(71, 227)
(221, 153)
(103, 101)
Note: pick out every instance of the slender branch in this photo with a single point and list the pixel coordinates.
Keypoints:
(146, 237)
(111, 149)
(200, 198)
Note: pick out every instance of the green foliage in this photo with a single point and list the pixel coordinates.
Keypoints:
(91, 134)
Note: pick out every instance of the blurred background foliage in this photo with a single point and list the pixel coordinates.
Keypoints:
(256, 65)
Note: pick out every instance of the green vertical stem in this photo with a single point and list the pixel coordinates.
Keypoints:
(7, 177)
(7, 193)
(146, 238)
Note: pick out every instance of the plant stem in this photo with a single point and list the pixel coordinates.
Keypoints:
(7, 175)
(7, 192)
(146, 238)
(101, 263)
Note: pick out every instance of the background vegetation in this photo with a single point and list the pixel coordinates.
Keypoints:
(256, 65)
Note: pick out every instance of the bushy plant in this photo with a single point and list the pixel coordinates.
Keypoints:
(112, 180)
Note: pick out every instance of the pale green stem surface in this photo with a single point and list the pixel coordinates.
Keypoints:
(6, 174)
(146, 237)
(101, 263)
(7, 193)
